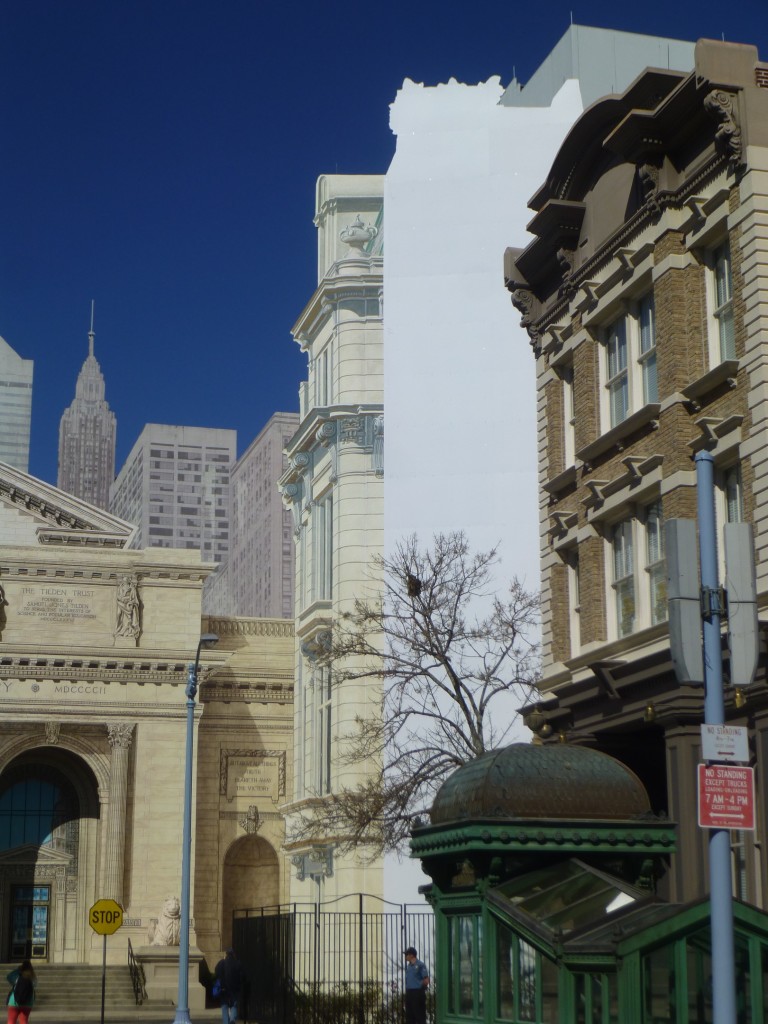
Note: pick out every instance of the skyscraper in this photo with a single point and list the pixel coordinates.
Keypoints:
(261, 556)
(87, 436)
(15, 407)
(174, 486)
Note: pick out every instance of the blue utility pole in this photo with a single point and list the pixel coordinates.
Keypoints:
(720, 885)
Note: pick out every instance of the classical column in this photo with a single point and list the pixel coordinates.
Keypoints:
(120, 735)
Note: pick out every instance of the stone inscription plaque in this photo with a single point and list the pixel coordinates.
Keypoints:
(254, 775)
(59, 606)
(252, 779)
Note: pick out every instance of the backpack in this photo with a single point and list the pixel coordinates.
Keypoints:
(23, 991)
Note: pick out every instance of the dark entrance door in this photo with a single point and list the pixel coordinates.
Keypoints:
(29, 922)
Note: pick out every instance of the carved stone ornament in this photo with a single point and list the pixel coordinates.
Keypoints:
(250, 823)
(128, 608)
(300, 461)
(352, 430)
(378, 445)
(326, 433)
(648, 175)
(52, 733)
(165, 930)
(525, 303)
(566, 259)
(720, 105)
(317, 646)
(120, 734)
(357, 235)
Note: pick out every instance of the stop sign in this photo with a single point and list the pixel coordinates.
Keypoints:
(105, 917)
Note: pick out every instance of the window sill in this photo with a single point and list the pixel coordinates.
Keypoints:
(724, 372)
(615, 437)
(561, 481)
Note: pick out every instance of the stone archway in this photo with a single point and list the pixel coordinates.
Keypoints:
(251, 879)
(49, 811)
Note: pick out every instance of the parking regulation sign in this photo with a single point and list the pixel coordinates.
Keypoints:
(726, 796)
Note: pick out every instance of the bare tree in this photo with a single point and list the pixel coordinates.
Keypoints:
(452, 680)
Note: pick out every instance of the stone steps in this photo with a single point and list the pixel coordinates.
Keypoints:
(71, 987)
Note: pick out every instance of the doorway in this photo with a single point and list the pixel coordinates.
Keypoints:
(30, 907)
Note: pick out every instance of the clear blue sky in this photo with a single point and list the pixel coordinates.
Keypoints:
(160, 156)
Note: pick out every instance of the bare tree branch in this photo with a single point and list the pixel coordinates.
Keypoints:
(452, 681)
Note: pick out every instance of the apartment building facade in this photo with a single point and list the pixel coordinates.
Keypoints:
(175, 488)
(645, 297)
(15, 407)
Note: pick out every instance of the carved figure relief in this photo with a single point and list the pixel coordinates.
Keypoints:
(378, 445)
(250, 822)
(720, 105)
(128, 608)
(166, 929)
(52, 732)
(525, 303)
(648, 175)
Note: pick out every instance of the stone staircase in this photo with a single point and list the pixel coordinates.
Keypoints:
(75, 987)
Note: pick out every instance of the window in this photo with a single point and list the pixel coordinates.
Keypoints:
(574, 600)
(465, 993)
(323, 745)
(618, 372)
(723, 308)
(655, 565)
(322, 541)
(637, 554)
(569, 417)
(631, 380)
(624, 577)
(647, 360)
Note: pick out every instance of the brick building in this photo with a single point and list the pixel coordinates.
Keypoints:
(645, 296)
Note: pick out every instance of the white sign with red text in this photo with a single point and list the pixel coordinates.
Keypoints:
(724, 743)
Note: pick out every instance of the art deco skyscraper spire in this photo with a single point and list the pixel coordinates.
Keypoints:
(87, 436)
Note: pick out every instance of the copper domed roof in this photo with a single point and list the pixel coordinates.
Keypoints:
(527, 781)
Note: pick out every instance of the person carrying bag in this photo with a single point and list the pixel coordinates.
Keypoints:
(21, 998)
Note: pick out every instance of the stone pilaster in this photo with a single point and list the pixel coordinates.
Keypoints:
(120, 736)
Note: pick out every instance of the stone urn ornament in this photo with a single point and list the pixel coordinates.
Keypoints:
(357, 235)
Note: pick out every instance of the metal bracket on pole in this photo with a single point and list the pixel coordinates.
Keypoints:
(712, 602)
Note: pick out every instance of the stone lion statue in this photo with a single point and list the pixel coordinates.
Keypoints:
(166, 929)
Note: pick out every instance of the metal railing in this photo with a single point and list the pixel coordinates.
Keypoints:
(138, 978)
(339, 962)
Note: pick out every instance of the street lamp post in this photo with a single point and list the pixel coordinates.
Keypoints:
(182, 1002)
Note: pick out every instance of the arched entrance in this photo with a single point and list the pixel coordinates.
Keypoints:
(49, 813)
(251, 879)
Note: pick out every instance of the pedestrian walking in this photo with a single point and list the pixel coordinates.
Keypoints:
(229, 975)
(21, 998)
(416, 985)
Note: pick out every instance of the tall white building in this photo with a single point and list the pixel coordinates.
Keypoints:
(468, 159)
(87, 433)
(15, 407)
(334, 487)
(175, 488)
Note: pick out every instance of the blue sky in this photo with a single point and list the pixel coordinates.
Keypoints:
(160, 156)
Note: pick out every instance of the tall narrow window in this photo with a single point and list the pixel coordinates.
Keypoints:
(569, 418)
(574, 600)
(655, 564)
(323, 683)
(624, 577)
(618, 373)
(724, 302)
(734, 508)
(322, 541)
(647, 317)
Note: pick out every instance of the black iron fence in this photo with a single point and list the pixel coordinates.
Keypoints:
(339, 962)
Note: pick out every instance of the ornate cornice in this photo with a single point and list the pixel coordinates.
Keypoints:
(250, 627)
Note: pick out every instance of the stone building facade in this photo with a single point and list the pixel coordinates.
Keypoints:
(95, 641)
(334, 488)
(645, 296)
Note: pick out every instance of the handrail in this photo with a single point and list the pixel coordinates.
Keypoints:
(138, 978)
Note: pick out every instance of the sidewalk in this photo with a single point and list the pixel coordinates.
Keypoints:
(137, 1015)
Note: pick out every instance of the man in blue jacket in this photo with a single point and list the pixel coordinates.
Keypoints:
(416, 985)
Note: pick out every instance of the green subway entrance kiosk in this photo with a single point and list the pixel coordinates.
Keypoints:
(546, 864)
